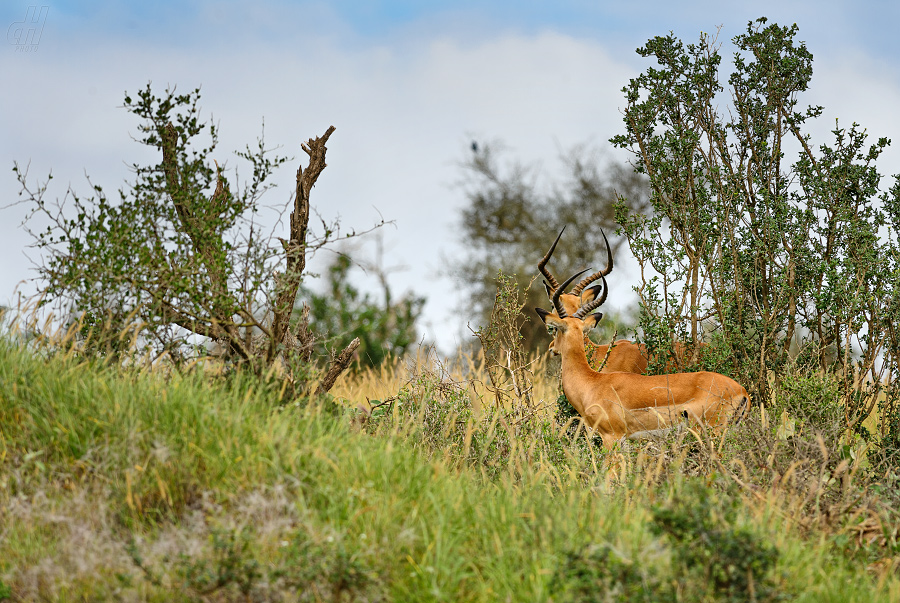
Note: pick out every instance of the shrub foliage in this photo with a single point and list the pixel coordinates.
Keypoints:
(760, 239)
(180, 259)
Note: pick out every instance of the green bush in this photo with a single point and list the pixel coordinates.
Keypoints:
(710, 552)
(600, 573)
(813, 397)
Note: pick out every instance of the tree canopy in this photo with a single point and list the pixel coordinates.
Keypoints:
(773, 248)
(511, 219)
(180, 260)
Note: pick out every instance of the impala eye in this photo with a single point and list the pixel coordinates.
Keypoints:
(551, 330)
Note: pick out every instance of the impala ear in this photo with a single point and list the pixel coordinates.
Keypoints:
(591, 293)
(591, 321)
(549, 290)
(550, 319)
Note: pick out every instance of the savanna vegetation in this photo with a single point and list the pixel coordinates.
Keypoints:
(170, 441)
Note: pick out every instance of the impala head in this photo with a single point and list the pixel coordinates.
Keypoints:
(569, 329)
(581, 294)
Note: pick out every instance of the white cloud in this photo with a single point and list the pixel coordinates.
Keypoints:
(402, 110)
(856, 88)
(401, 116)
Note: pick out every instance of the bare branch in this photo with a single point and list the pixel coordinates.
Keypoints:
(295, 249)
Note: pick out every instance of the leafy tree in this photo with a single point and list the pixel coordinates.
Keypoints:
(510, 222)
(385, 328)
(180, 258)
(759, 241)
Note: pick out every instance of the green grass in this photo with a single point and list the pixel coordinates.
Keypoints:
(126, 486)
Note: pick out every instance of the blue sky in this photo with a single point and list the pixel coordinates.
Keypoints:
(868, 24)
(407, 84)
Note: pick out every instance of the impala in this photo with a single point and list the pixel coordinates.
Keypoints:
(617, 405)
(622, 355)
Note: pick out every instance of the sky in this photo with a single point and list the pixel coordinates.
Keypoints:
(408, 85)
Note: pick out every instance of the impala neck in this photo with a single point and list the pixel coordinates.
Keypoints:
(573, 355)
(575, 367)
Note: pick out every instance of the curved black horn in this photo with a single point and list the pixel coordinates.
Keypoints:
(586, 309)
(543, 263)
(560, 311)
(609, 266)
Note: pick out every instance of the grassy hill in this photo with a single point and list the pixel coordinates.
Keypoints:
(119, 485)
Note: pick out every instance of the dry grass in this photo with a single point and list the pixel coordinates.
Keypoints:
(131, 487)
(466, 370)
